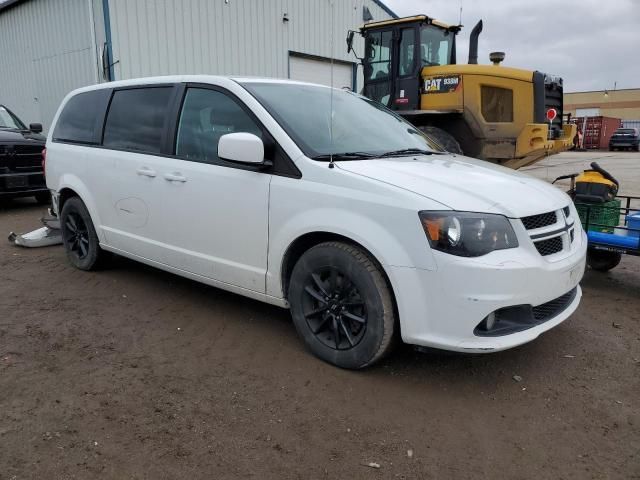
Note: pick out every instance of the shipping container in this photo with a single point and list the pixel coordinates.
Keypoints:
(596, 131)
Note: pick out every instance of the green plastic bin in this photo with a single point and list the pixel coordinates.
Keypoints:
(603, 217)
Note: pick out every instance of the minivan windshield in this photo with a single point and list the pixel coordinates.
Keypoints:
(361, 128)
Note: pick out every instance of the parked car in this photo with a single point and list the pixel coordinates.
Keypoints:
(355, 220)
(21, 172)
(624, 138)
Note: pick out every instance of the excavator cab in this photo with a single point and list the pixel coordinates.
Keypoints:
(501, 114)
(395, 54)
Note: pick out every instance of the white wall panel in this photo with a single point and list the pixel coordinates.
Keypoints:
(46, 50)
(241, 37)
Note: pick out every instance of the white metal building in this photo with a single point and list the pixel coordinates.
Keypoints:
(49, 47)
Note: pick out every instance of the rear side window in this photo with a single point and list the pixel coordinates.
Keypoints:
(497, 104)
(136, 119)
(81, 118)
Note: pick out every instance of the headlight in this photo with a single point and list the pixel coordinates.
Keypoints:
(467, 234)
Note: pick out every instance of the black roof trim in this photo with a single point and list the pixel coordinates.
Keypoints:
(377, 2)
(10, 3)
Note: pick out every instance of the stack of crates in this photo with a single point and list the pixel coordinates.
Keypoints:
(603, 217)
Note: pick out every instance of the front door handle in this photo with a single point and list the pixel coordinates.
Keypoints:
(175, 177)
(146, 172)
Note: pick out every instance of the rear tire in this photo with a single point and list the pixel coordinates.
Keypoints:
(443, 138)
(603, 261)
(341, 305)
(79, 236)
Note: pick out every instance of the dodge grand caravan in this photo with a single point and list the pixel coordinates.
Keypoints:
(316, 200)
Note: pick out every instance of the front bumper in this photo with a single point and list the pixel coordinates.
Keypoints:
(442, 308)
(533, 143)
(623, 143)
(30, 183)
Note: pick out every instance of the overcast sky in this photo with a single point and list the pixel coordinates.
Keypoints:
(590, 43)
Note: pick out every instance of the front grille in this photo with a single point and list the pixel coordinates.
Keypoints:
(538, 221)
(21, 158)
(550, 309)
(28, 149)
(549, 246)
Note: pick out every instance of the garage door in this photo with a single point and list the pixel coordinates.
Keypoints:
(587, 112)
(319, 71)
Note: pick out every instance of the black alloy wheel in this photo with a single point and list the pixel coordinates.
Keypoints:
(77, 235)
(342, 305)
(334, 309)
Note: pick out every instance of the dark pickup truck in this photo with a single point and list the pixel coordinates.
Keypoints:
(21, 172)
(624, 138)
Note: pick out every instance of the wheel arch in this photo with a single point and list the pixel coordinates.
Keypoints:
(65, 194)
(71, 186)
(304, 242)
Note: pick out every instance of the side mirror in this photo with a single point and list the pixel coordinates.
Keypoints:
(241, 147)
(350, 40)
(35, 127)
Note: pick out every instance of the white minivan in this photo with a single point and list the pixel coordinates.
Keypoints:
(316, 200)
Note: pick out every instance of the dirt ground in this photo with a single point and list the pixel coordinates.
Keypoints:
(135, 373)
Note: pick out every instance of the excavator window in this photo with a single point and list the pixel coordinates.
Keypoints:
(378, 50)
(435, 46)
(407, 58)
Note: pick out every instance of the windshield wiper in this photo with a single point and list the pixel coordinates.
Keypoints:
(344, 156)
(408, 151)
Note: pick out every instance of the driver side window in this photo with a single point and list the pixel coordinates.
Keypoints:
(206, 116)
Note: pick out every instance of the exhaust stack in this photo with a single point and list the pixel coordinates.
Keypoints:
(473, 43)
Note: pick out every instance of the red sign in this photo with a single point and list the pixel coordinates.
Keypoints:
(551, 114)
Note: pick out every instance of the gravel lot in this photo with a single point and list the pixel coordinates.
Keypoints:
(135, 373)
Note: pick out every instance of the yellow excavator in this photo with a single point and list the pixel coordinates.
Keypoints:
(504, 115)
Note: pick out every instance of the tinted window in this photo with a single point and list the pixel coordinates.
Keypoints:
(80, 120)
(435, 46)
(378, 61)
(407, 49)
(206, 116)
(497, 104)
(136, 119)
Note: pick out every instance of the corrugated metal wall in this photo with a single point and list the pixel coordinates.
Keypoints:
(50, 47)
(45, 51)
(238, 37)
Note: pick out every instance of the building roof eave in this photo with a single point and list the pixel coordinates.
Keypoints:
(385, 8)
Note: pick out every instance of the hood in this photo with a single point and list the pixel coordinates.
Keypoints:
(464, 184)
(9, 135)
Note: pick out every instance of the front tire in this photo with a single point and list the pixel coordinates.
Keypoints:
(341, 305)
(444, 138)
(603, 261)
(79, 236)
